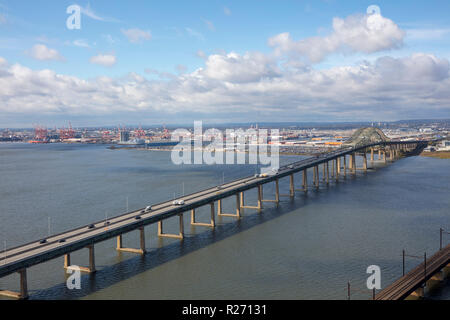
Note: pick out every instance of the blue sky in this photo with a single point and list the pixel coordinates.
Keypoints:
(179, 38)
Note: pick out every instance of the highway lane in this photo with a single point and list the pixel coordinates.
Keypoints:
(15, 253)
(76, 235)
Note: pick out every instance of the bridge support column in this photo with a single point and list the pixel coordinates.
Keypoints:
(446, 271)
(277, 191)
(303, 184)
(219, 208)
(337, 170)
(439, 276)
(338, 161)
(212, 224)
(67, 263)
(238, 206)
(316, 176)
(142, 239)
(328, 173)
(420, 292)
(257, 207)
(242, 204)
(23, 284)
(23, 294)
(119, 244)
(291, 186)
(180, 235)
(345, 167)
(141, 251)
(260, 198)
(238, 209)
(353, 163)
(91, 259)
(365, 161)
(305, 180)
(324, 172)
(90, 269)
(371, 155)
(379, 155)
(332, 168)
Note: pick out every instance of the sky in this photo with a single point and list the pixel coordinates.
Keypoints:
(153, 62)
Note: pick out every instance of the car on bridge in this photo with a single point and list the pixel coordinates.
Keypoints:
(261, 175)
(178, 202)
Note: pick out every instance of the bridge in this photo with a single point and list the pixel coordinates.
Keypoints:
(413, 283)
(18, 259)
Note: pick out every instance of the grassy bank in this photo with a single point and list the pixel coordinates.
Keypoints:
(440, 155)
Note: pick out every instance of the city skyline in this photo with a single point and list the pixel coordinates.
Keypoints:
(223, 61)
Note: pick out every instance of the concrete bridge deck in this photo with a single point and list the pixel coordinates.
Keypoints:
(20, 258)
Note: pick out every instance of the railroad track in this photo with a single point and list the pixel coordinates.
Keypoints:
(416, 277)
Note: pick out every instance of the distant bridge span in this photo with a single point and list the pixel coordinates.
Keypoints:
(20, 258)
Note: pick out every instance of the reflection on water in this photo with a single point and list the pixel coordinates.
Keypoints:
(306, 248)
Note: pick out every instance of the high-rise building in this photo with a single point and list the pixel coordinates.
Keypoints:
(124, 136)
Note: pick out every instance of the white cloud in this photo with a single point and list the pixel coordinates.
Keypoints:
(235, 85)
(43, 53)
(89, 12)
(106, 60)
(419, 66)
(267, 86)
(233, 67)
(137, 35)
(357, 33)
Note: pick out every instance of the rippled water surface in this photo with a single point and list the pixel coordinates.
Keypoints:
(306, 248)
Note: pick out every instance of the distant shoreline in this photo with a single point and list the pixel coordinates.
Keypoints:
(170, 150)
(437, 154)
